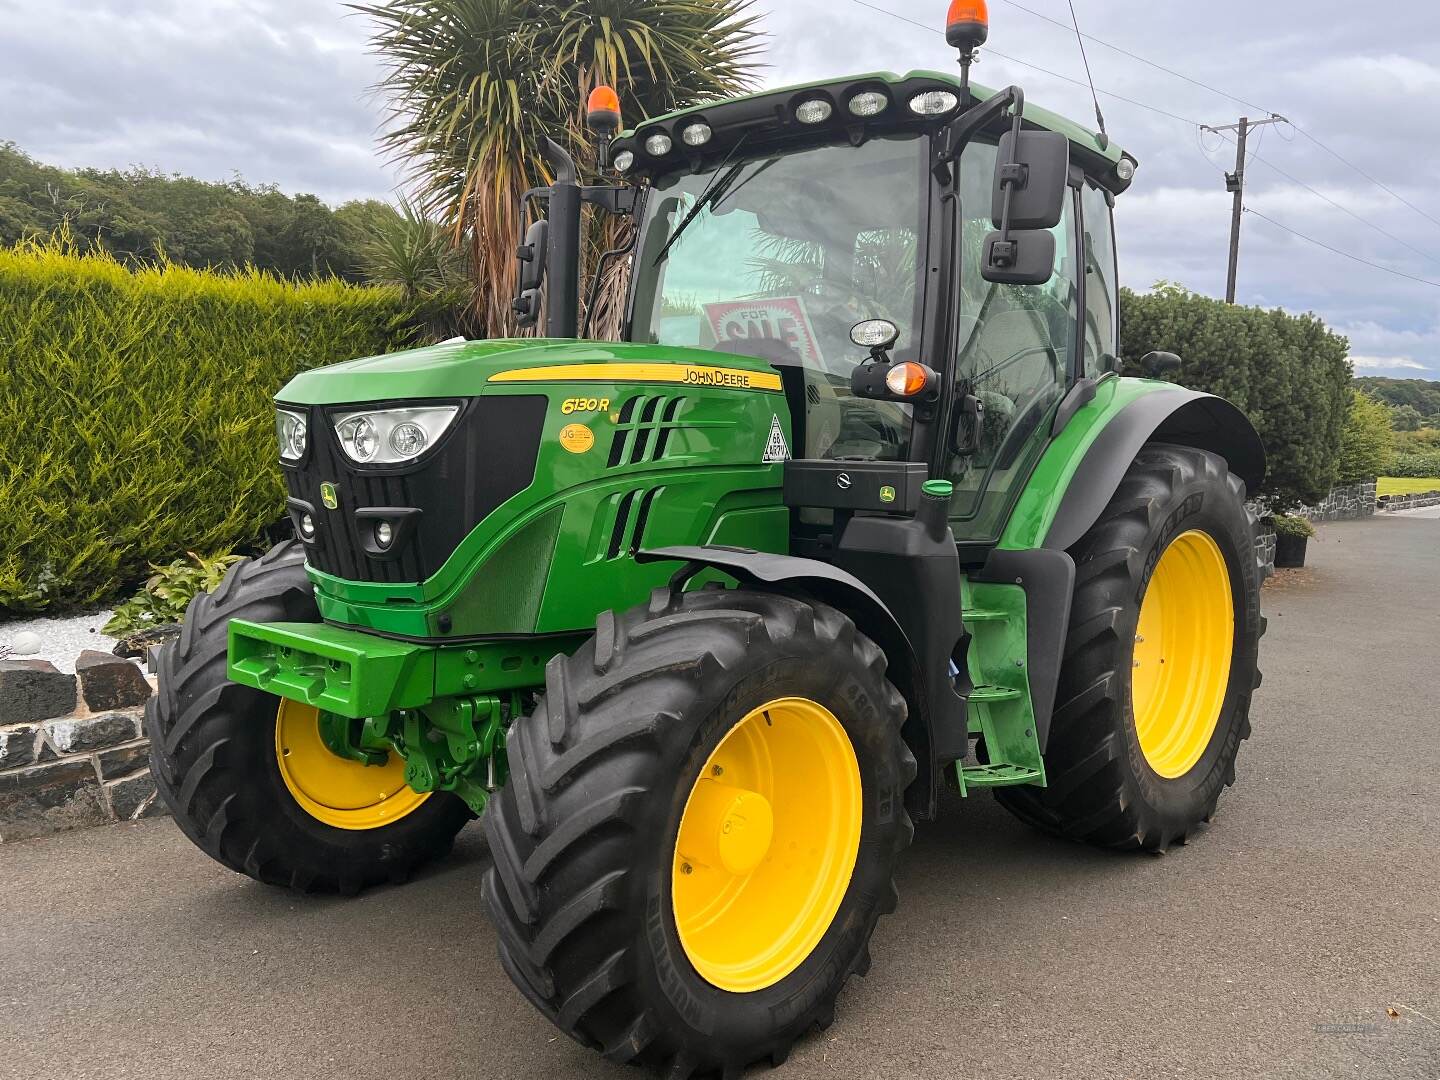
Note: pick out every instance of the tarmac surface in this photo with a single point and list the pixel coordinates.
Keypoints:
(1297, 937)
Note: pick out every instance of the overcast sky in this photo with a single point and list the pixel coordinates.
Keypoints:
(277, 91)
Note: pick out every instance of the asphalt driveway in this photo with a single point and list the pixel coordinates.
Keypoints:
(1298, 936)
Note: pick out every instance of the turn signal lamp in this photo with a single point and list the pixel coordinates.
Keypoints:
(967, 25)
(907, 380)
(602, 111)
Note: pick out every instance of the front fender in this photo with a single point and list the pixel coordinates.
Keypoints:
(844, 592)
(1084, 464)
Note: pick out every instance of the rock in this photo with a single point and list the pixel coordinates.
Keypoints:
(123, 760)
(76, 735)
(109, 682)
(25, 643)
(48, 798)
(17, 746)
(137, 646)
(34, 690)
(129, 794)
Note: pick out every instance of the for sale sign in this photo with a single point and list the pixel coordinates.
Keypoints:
(780, 318)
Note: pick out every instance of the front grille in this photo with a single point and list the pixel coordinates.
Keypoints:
(486, 456)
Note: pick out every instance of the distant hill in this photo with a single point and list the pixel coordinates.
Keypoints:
(140, 213)
(1422, 395)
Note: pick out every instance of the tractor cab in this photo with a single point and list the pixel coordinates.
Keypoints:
(773, 225)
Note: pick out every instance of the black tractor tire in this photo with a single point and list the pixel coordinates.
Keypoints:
(1101, 789)
(583, 835)
(212, 752)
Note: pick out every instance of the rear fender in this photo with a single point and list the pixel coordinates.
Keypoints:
(1084, 464)
(829, 585)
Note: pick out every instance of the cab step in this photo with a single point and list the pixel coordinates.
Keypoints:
(985, 694)
(984, 615)
(999, 775)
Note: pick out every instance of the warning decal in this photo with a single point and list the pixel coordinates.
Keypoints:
(775, 448)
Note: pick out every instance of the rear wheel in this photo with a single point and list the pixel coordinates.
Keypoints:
(1160, 661)
(248, 777)
(700, 829)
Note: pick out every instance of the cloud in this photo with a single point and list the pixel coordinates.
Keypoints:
(1387, 362)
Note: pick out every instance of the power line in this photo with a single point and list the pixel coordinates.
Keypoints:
(1255, 156)
(1242, 101)
(1035, 67)
(1366, 175)
(1143, 60)
(1343, 254)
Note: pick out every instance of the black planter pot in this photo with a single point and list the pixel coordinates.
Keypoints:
(1290, 550)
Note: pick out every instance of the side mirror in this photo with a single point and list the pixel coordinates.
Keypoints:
(1156, 365)
(1032, 170)
(532, 256)
(1036, 168)
(1026, 258)
(527, 307)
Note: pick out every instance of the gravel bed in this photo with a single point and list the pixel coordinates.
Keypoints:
(62, 640)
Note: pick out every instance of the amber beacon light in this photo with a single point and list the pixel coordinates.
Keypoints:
(967, 25)
(602, 111)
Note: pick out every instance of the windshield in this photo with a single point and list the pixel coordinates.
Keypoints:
(777, 257)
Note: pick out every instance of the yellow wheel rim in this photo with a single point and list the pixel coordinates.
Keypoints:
(1183, 645)
(338, 791)
(767, 844)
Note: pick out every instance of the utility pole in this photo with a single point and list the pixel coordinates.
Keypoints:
(1235, 182)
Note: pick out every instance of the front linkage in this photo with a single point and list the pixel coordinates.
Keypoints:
(445, 710)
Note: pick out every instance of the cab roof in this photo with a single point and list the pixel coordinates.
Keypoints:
(773, 111)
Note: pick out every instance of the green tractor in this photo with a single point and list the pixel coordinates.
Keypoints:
(701, 620)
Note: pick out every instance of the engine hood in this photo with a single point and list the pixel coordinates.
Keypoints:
(467, 368)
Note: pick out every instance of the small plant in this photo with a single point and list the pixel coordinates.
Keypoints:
(1291, 525)
(168, 592)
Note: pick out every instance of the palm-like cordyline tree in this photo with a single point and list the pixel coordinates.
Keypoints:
(474, 85)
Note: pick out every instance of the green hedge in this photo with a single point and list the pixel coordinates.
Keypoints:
(1416, 463)
(1288, 373)
(138, 421)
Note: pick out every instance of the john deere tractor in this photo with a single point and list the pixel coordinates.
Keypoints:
(699, 621)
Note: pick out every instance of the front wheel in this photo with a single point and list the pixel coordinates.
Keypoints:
(1160, 660)
(700, 829)
(246, 774)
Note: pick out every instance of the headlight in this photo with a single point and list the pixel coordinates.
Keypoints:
(814, 111)
(293, 432)
(933, 102)
(390, 436)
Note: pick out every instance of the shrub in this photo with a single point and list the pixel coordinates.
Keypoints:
(168, 592)
(138, 416)
(1287, 373)
(1417, 463)
(1365, 444)
(1290, 525)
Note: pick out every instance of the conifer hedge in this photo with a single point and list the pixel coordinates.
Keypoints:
(137, 420)
(1288, 373)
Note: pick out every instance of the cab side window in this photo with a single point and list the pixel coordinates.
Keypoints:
(1101, 288)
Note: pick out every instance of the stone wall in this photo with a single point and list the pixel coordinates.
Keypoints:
(1343, 503)
(72, 748)
(1409, 502)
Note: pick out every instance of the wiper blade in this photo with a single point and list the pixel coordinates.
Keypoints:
(713, 190)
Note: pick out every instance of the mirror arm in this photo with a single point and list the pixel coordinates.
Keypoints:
(955, 135)
(617, 199)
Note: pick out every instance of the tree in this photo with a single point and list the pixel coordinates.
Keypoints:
(1365, 447)
(1406, 418)
(1288, 373)
(475, 86)
(142, 215)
